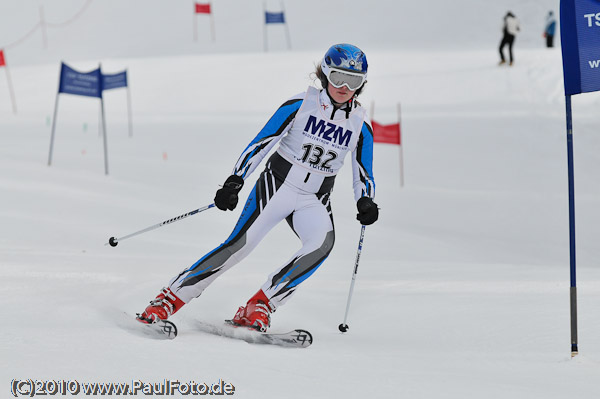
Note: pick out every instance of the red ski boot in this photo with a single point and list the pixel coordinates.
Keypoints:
(256, 314)
(164, 305)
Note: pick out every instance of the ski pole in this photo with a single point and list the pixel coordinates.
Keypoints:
(115, 241)
(344, 327)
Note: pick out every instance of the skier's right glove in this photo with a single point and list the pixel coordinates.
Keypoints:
(368, 212)
(227, 196)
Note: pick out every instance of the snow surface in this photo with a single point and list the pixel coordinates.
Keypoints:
(463, 284)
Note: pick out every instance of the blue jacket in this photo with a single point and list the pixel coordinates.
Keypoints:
(551, 27)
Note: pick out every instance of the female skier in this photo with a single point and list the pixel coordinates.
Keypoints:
(315, 131)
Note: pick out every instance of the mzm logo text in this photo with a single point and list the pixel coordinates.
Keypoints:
(328, 131)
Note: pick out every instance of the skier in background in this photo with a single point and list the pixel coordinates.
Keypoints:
(315, 130)
(510, 29)
(550, 29)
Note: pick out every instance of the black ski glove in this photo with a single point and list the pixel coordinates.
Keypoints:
(227, 196)
(368, 213)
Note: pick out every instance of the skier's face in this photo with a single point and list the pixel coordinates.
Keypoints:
(341, 95)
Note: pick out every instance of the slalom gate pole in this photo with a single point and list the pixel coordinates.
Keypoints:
(265, 39)
(573, 288)
(53, 130)
(11, 90)
(113, 242)
(104, 139)
(344, 327)
(129, 110)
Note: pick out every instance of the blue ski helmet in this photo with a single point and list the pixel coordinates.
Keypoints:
(349, 61)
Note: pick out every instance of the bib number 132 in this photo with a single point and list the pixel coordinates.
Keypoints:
(314, 155)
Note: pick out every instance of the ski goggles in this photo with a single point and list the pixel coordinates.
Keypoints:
(339, 78)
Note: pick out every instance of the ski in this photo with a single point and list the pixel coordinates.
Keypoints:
(160, 329)
(164, 328)
(293, 339)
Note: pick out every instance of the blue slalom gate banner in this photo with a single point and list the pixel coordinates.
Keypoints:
(580, 40)
(88, 84)
(274, 17)
(80, 83)
(114, 81)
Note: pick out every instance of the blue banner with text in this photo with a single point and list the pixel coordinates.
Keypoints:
(274, 17)
(580, 42)
(79, 83)
(114, 81)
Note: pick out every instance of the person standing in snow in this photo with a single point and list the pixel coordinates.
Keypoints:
(510, 29)
(315, 131)
(550, 29)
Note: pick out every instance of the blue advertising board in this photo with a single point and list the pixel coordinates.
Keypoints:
(114, 81)
(274, 17)
(580, 41)
(79, 83)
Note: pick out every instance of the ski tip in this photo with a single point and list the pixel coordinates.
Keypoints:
(303, 337)
(169, 329)
(164, 328)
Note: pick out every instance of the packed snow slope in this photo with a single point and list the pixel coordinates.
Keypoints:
(463, 285)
